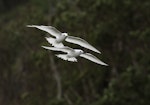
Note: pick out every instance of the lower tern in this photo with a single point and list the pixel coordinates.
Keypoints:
(73, 53)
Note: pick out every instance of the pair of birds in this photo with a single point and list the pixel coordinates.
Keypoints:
(59, 46)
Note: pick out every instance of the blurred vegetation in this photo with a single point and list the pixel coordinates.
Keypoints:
(119, 29)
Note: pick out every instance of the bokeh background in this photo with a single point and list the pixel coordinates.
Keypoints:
(30, 75)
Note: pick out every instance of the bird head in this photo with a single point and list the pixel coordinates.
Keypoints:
(80, 51)
(65, 34)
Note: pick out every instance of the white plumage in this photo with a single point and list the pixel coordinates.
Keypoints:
(53, 42)
(65, 57)
(60, 37)
(73, 53)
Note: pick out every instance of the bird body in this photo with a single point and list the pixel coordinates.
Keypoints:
(73, 53)
(60, 37)
(54, 42)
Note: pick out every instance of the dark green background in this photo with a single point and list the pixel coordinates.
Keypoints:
(120, 29)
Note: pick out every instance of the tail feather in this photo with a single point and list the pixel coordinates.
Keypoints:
(65, 57)
(53, 42)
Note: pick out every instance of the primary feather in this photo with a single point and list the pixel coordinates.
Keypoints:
(81, 42)
(64, 49)
(51, 30)
(93, 58)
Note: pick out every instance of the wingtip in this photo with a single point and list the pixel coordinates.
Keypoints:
(99, 52)
(105, 64)
(29, 25)
(44, 47)
(46, 37)
(102, 63)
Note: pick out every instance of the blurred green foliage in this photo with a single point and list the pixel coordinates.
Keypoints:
(119, 29)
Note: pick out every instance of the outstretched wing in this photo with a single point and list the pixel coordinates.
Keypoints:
(93, 58)
(81, 42)
(64, 49)
(51, 30)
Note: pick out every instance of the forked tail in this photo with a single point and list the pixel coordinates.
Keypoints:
(65, 57)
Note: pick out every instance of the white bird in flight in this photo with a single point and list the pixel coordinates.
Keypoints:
(60, 37)
(73, 53)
